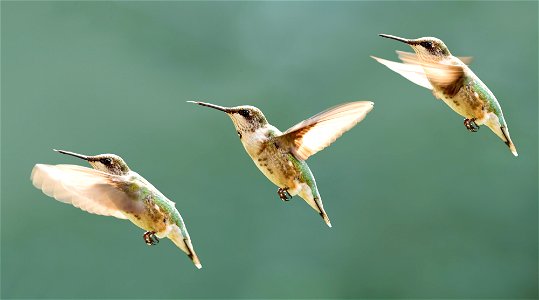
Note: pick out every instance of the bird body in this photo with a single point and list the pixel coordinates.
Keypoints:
(283, 168)
(451, 80)
(112, 189)
(159, 214)
(281, 156)
(475, 101)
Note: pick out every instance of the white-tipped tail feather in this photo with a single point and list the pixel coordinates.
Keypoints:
(326, 219)
(508, 142)
(315, 203)
(184, 243)
(503, 133)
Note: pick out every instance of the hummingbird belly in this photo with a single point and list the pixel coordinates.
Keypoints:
(466, 103)
(153, 218)
(276, 165)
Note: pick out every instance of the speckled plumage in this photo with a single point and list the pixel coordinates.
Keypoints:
(281, 156)
(451, 80)
(112, 189)
(281, 167)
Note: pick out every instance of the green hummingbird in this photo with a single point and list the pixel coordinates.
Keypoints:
(281, 155)
(112, 189)
(451, 80)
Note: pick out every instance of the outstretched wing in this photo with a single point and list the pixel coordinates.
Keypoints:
(90, 190)
(414, 73)
(316, 133)
(447, 76)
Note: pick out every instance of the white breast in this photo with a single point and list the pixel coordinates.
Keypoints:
(252, 141)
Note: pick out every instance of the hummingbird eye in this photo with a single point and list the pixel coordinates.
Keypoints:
(245, 113)
(106, 161)
(427, 45)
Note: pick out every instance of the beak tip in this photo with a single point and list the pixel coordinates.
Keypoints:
(221, 108)
(72, 154)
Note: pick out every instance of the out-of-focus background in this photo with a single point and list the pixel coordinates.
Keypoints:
(420, 207)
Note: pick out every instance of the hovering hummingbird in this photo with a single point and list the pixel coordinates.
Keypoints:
(433, 67)
(281, 155)
(112, 189)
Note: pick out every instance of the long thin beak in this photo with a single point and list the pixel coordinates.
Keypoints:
(407, 41)
(221, 108)
(73, 154)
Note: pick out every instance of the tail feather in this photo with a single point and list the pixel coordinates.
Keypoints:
(500, 129)
(315, 203)
(321, 211)
(326, 218)
(184, 243)
(507, 140)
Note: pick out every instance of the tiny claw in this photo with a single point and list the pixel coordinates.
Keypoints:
(471, 125)
(288, 193)
(284, 194)
(150, 238)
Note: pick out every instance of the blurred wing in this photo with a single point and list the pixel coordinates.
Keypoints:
(414, 73)
(316, 133)
(449, 77)
(467, 60)
(93, 191)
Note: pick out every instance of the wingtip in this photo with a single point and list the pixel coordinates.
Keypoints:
(36, 166)
(199, 266)
(378, 59)
(35, 169)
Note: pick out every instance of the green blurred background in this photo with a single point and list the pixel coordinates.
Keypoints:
(420, 207)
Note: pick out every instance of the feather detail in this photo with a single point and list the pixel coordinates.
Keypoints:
(316, 133)
(90, 190)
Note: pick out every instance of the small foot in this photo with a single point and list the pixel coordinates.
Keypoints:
(471, 125)
(150, 238)
(284, 194)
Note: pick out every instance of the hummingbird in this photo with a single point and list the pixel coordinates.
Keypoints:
(451, 80)
(281, 156)
(111, 188)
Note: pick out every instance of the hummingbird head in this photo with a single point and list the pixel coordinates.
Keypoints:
(427, 48)
(246, 118)
(108, 163)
